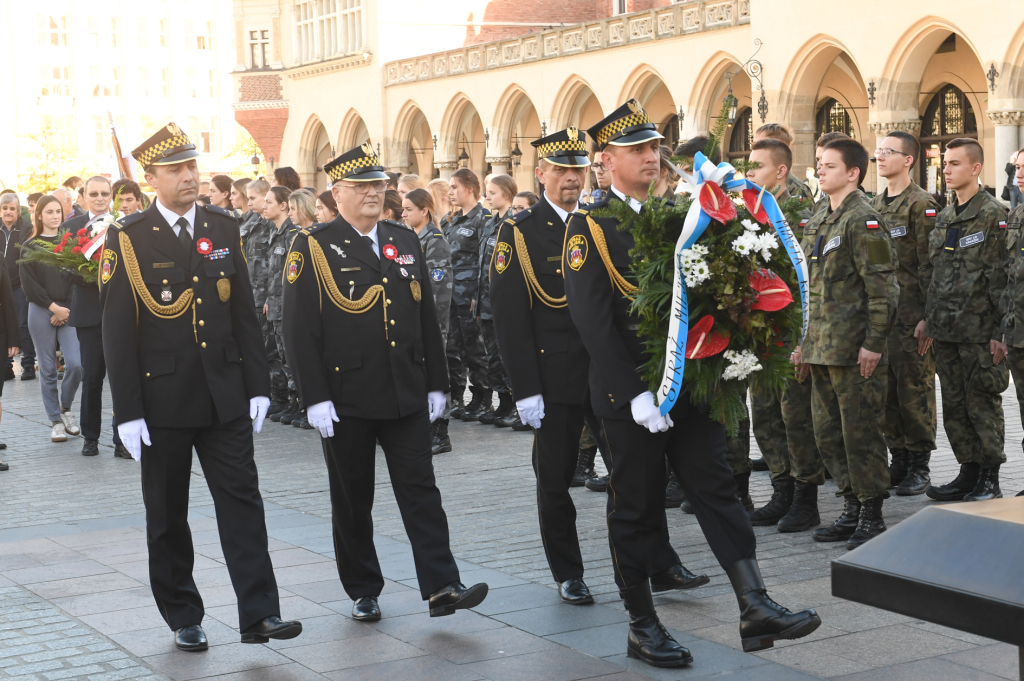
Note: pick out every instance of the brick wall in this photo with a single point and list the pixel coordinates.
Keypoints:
(266, 127)
(566, 12)
(264, 88)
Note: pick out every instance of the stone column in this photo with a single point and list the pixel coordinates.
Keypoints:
(500, 165)
(446, 168)
(1009, 125)
(882, 128)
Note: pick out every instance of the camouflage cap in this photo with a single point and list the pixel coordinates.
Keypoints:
(169, 145)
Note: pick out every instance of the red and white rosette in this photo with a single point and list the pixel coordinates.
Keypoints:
(390, 251)
(204, 246)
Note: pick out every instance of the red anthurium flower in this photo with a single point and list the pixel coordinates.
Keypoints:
(772, 292)
(702, 342)
(716, 203)
(754, 200)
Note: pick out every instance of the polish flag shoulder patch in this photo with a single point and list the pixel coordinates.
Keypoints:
(803, 223)
(929, 212)
(872, 224)
(1002, 224)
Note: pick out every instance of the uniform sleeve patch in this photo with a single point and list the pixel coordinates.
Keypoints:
(108, 265)
(879, 253)
(1002, 224)
(502, 256)
(872, 224)
(929, 212)
(294, 267)
(576, 251)
(437, 274)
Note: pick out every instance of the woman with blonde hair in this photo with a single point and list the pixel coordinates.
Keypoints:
(439, 192)
(406, 183)
(302, 208)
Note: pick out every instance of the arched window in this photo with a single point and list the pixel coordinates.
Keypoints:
(670, 129)
(949, 115)
(832, 117)
(742, 137)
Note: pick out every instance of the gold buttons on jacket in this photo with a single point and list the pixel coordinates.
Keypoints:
(558, 271)
(389, 301)
(337, 369)
(202, 323)
(199, 301)
(392, 343)
(147, 374)
(204, 345)
(392, 322)
(542, 351)
(351, 283)
(222, 274)
(385, 280)
(195, 278)
(165, 282)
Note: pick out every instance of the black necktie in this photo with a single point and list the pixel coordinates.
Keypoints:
(369, 242)
(183, 236)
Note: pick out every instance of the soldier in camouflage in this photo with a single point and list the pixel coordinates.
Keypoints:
(465, 347)
(909, 213)
(1013, 322)
(282, 234)
(418, 215)
(854, 294)
(965, 317)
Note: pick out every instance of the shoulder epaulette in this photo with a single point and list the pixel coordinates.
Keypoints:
(217, 210)
(436, 232)
(313, 229)
(130, 219)
(520, 216)
(582, 211)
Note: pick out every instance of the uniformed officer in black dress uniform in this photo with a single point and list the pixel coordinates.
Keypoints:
(366, 351)
(548, 363)
(599, 286)
(187, 369)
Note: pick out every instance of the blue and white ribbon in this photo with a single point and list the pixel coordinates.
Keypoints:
(694, 225)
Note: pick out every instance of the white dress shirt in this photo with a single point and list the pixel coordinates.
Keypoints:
(561, 213)
(172, 218)
(633, 203)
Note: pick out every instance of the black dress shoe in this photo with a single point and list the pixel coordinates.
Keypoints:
(29, 374)
(120, 451)
(5, 467)
(762, 620)
(574, 592)
(366, 609)
(598, 484)
(191, 639)
(759, 464)
(3, 445)
(677, 578)
(271, 627)
(648, 640)
(456, 596)
(91, 448)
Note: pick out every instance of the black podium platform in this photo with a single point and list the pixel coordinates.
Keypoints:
(961, 566)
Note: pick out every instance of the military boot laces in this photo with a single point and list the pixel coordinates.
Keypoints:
(987, 487)
(918, 478)
(803, 513)
(962, 485)
(869, 525)
(648, 639)
(778, 506)
(899, 467)
(477, 406)
(762, 620)
(584, 467)
(844, 527)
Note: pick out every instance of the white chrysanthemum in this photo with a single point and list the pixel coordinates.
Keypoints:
(741, 365)
(766, 243)
(695, 268)
(745, 244)
(751, 226)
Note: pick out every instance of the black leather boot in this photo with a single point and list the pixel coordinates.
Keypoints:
(289, 405)
(674, 494)
(677, 578)
(898, 467)
(648, 640)
(277, 405)
(759, 464)
(505, 407)
(743, 491)
(918, 478)
(584, 467)
(762, 620)
(458, 406)
(778, 506)
(290, 414)
(803, 513)
(962, 485)
(869, 525)
(987, 487)
(441, 442)
(480, 403)
(843, 528)
(598, 484)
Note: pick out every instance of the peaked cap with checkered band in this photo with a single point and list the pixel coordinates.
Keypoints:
(624, 127)
(356, 165)
(169, 145)
(566, 148)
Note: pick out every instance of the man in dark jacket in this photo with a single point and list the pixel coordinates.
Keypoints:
(184, 352)
(15, 230)
(379, 382)
(86, 317)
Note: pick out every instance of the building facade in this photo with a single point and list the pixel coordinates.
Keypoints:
(71, 68)
(930, 68)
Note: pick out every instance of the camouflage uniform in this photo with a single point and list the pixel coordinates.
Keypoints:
(497, 378)
(438, 257)
(910, 420)
(1013, 298)
(968, 253)
(795, 187)
(465, 348)
(280, 242)
(854, 294)
(256, 244)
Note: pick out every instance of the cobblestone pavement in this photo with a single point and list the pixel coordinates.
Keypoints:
(72, 554)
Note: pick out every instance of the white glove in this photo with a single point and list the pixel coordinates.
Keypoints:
(323, 417)
(531, 410)
(436, 404)
(258, 407)
(647, 414)
(133, 434)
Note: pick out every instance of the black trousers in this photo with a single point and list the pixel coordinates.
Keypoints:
(466, 353)
(225, 452)
(695, 448)
(350, 457)
(556, 446)
(94, 370)
(28, 350)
